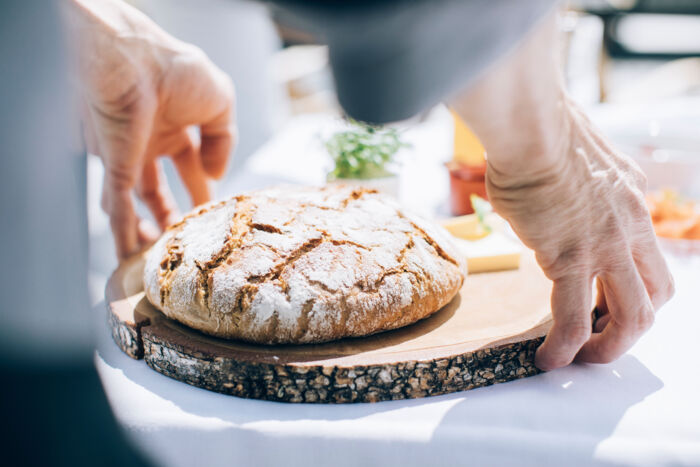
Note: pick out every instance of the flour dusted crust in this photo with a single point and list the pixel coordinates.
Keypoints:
(302, 265)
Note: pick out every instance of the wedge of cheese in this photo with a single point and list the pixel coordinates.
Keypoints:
(495, 252)
(467, 227)
(485, 251)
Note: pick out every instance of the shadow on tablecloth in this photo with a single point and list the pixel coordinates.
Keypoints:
(556, 418)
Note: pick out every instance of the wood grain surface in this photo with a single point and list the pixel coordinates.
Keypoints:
(487, 334)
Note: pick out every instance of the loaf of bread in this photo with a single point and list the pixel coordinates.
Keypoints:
(302, 265)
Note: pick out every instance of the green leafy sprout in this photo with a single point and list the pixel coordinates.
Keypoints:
(364, 151)
(481, 208)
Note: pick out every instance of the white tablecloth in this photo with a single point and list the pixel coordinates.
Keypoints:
(642, 409)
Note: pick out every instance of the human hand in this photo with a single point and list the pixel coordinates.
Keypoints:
(585, 218)
(143, 92)
(574, 200)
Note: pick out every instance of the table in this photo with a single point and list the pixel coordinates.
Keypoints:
(641, 409)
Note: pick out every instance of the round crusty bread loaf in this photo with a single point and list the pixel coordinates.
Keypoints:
(302, 265)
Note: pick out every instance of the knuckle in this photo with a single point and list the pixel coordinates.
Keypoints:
(633, 220)
(637, 178)
(569, 260)
(190, 55)
(132, 101)
(119, 178)
(197, 58)
(228, 88)
(148, 194)
(576, 332)
(665, 292)
(634, 199)
(657, 297)
(670, 288)
(645, 321)
(641, 213)
(642, 180)
(197, 53)
(642, 321)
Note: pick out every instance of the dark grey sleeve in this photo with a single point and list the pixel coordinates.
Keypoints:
(43, 235)
(392, 59)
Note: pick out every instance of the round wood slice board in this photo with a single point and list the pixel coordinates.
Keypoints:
(488, 334)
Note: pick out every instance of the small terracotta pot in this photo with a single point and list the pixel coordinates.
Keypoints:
(465, 180)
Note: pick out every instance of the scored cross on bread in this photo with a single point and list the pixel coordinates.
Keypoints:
(302, 265)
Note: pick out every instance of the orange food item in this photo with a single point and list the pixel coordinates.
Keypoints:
(467, 168)
(465, 180)
(673, 216)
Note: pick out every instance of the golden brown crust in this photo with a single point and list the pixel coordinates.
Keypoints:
(300, 265)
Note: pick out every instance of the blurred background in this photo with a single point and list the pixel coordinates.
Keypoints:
(634, 66)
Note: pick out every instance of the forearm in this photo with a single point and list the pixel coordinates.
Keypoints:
(519, 109)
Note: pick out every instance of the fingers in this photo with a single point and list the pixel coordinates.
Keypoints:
(122, 136)
(571, 312)
(218, 137)
(122, 220)
(608, 345)
(631, 314)
(654, 271)
(189, 166)
(153, 190)
(199, 93)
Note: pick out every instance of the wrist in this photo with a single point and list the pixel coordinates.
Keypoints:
(527, 146)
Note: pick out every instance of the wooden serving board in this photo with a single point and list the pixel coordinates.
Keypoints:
(488, 334)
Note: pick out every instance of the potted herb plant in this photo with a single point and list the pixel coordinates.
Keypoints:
(365, 155)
